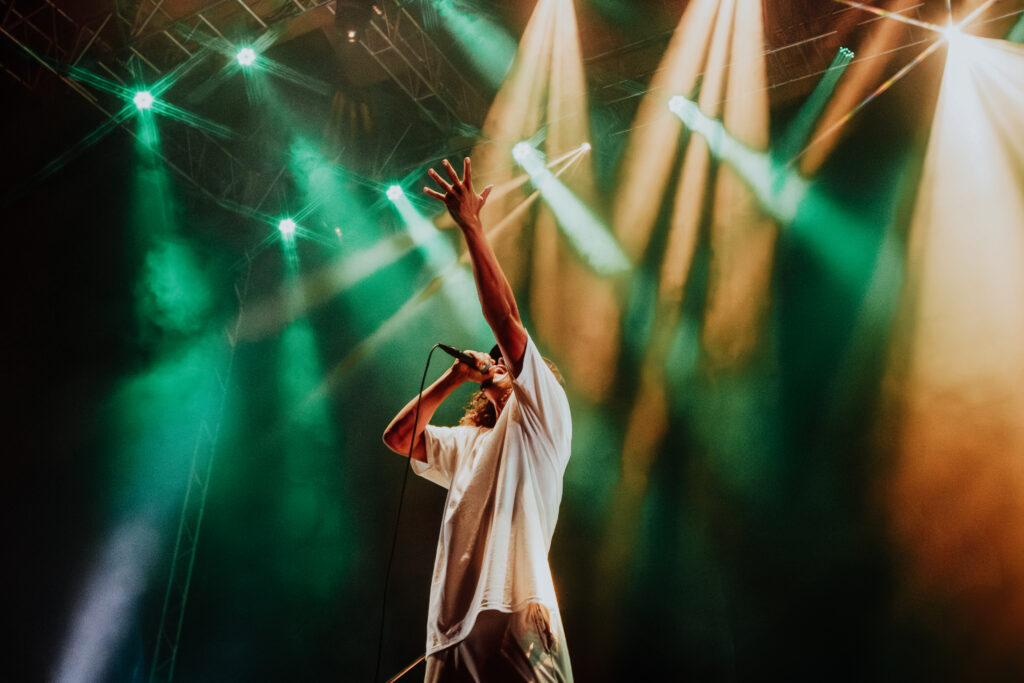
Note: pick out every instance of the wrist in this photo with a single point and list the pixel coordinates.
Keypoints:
(470, 224)
(454, 377)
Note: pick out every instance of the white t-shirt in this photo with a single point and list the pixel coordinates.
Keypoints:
(504, 488)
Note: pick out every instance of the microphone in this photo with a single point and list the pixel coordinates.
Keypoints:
(463, 358)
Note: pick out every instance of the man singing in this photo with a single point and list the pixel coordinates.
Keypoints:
(493, 613)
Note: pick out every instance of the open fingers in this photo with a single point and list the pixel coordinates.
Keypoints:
(433, 193)
(466, 180)
(441, 182)
(451, 171)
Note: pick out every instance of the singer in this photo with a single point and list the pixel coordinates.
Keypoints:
(493, 614)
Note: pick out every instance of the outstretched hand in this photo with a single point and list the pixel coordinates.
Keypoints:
(463, 203)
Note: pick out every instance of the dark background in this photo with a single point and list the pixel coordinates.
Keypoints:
(781, 566)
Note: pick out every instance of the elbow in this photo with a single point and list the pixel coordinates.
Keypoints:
(393, 440)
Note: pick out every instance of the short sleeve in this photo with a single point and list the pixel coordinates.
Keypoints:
(443, 445)
(542, 401)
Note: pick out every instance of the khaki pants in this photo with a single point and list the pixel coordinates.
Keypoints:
(506, 648)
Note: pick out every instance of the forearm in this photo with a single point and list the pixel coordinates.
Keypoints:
(399, 435)
(496, 298)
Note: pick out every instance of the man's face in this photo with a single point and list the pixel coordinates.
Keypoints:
(499, 384)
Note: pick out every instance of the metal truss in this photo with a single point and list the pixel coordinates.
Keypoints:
(193, 507)
(143, 40)
(115, 45)
(400, 45)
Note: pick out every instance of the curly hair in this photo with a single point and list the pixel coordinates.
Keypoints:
(480, 411)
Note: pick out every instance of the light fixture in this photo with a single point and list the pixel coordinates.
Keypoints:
(143, 100)
(287, 227)
(246, 56)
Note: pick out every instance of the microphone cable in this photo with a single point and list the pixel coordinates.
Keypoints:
(398, 516)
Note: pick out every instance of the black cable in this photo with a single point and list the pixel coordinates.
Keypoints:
(398, 517)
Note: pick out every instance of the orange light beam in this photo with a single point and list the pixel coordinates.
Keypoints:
(975, 14)
(892, 15)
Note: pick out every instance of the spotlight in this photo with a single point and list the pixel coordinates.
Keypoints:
(287, 227)
(394, 192)
(846, 53)
(143, 100)
(246, 56)
(522, 151)
(351, 35)
(683, 108)
(952, 33)
(585, 147)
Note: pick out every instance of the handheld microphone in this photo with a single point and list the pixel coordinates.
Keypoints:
(463, 358)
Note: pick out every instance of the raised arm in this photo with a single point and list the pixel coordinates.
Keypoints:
(496, 298)
(398, 433)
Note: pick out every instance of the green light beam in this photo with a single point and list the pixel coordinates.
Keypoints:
(488, 46)
(780, 192)
(786, 196)
(588, 236)
(1016, 34)
(891, 81)
(800, 129)
(437, 251)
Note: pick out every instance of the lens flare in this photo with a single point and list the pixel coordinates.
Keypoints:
(246, 56)
(287, 228)
(143, 100)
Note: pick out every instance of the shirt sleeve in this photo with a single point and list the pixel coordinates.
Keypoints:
(543, 404)
(443, 446)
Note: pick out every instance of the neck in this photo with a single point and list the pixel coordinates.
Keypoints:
(499, 401)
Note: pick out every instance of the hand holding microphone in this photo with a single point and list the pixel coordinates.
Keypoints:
(466, 359)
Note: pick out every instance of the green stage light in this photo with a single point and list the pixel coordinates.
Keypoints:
(522, 152)
(394, 192)
(246, 56)
(780, 190)
(584, 231)
(287, 228)
(143, 100)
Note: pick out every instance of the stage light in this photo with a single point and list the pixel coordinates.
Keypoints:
(952, 33)
(287, 227)
(522, 151)
(585, 147)
(394, 192)
(143, 100)
(798, 133)
(682, 107)
(581, 227)
(246, 56)
(351, 35)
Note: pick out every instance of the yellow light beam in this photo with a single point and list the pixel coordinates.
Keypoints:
(955, 378)
(652, 149)
(892, 15)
